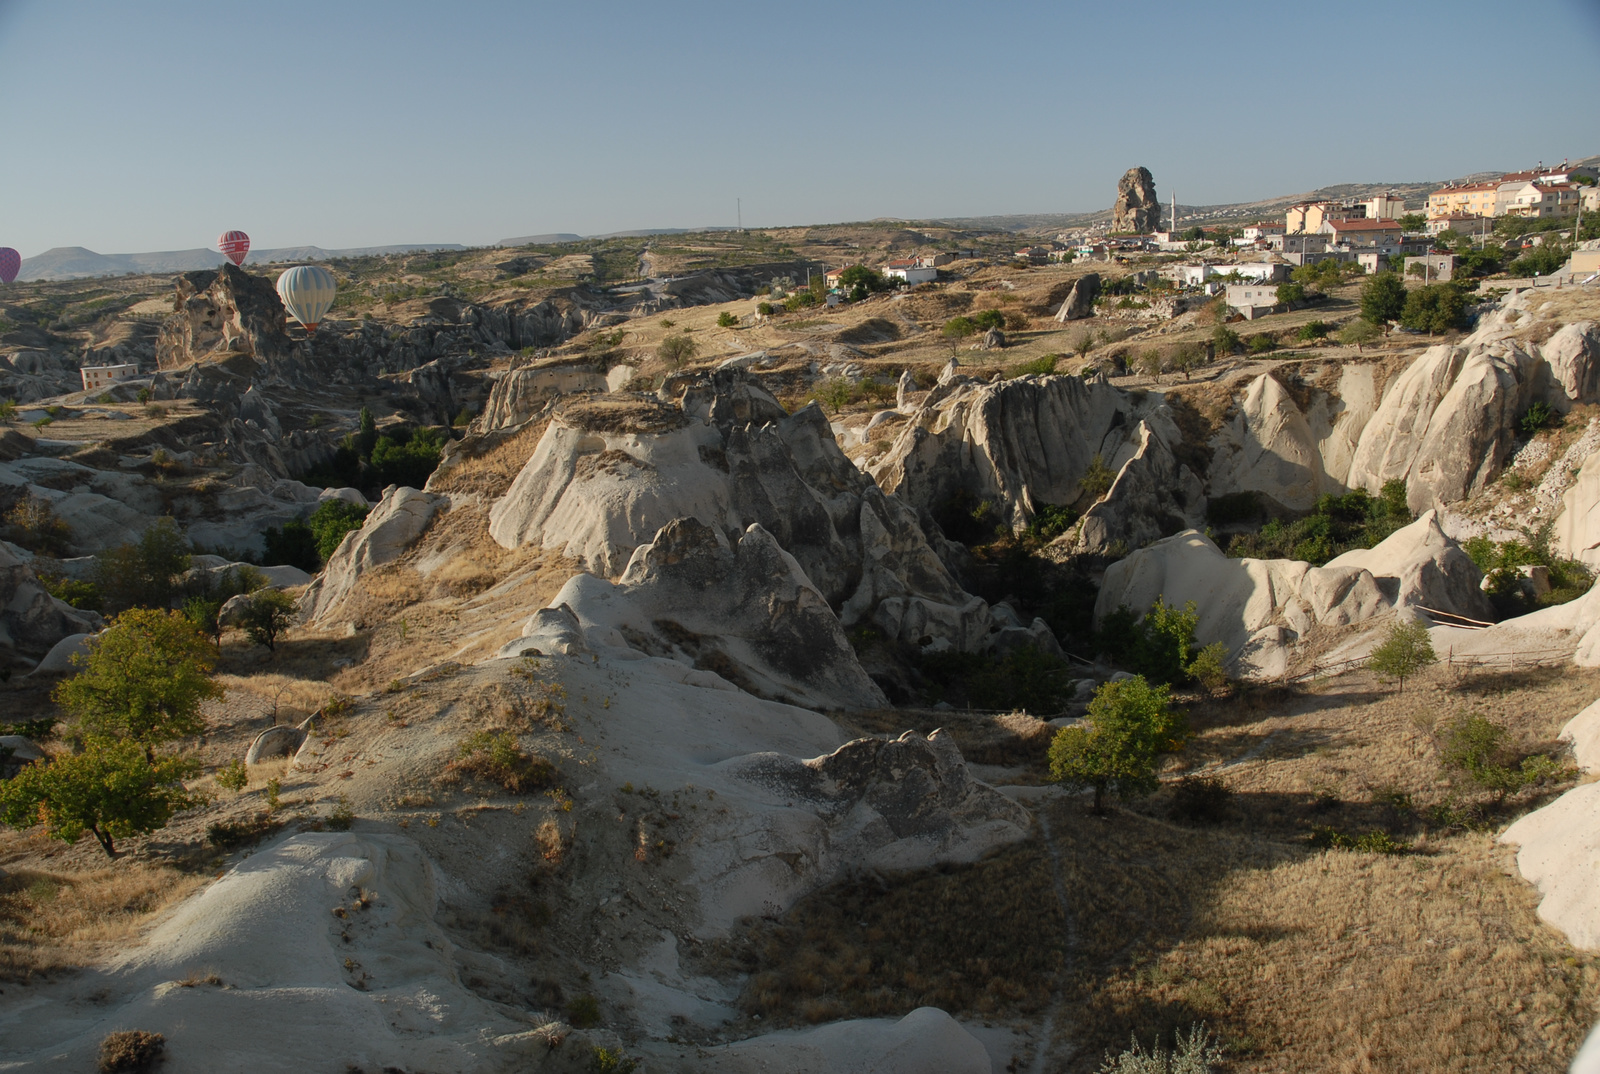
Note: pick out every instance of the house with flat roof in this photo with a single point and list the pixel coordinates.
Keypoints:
(1374, 234)
(101, 376)
(1252, 299)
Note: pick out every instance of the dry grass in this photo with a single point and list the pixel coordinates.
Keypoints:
(1315, 961)
(488, 465)
(984, 938)
(51, 922)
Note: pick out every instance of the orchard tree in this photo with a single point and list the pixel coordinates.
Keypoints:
(1405, 650)
(676, 349)
(1129, 726)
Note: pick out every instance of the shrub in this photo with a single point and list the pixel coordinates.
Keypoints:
(294, 545)
(1039, 367)
(232, 776)
(837, 393)
(1097, 478)
(764, 309)
(1359, 333)
(957, 329)
(1376, 841)
(342, 815)
(1051, 521)
(1438, 307)
(1209, 668)
(984, 320)
(1536, 417)
(1500, 563)
(1195, 1053)
(269, 614)
(497, 757)
(1129, 725)
(675, 350)
(1290, 294)
(1405, 650)
(130, 1051)
(406, 460)
(33, 523)
(1262, 343)
(331, 521)
(612, 1061)
(1025, 679)
(143, 573)
(74, 591)
(1475, 747)
(1225, 340)
(1383, 298)
(726, 319)
(1201, 800)
(1167, 641)
(1313, 331)
(1336, 524)
(584, 1011)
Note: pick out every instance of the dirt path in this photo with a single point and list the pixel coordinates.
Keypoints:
(1047, 1028)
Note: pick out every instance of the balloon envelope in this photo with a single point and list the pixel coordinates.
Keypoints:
(234, 245)
(307, 292)
(10, 264)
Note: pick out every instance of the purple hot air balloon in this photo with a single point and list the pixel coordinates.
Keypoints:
(10, 264)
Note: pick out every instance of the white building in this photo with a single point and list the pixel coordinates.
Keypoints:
(100, 376)
(1530, 197)
(1252, 299)
(1385, 207)
(911, 273)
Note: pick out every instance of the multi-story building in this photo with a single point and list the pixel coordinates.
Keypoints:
(1533, 197)
(100, 376)
(1465, 199)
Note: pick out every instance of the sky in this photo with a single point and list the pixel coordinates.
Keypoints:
(132, 127)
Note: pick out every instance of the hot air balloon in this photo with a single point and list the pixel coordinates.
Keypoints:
(10, 264)
(307, 292)
(234, 245)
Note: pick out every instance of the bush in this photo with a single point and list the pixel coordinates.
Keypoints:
(957, 329)
(1024, 680)
(32, 523)
(74, 591)
(1405, 650)
(1536, 417)
(1129, 725)
(1097, 478)
(497, 757)
(1539, 261)
(1336, 524)
(1051, 521)
(1225, 340)
(232, 776)
(294, 546)
(1290, 294)
(1195, 1053)
(1475, 748)
(1209, 668)
(984, 320)
(143, 573)
(1262, 343)
(764, 309)
(584, 1012)
(836, 394)
(406, 460)
(131, 1051)
(726, 319)
(1039, 367)
(1359, 333)
(269, 614)
(1201, 800)
(1376, 841)
(1500, 563)
(1436, 308)
(676, 350)
(1313, 331)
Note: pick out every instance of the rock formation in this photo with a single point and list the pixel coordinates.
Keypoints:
(1023, 443)
(1269, 448)
(32, 622)
(744, 611)
(386, 533)
(1138, 210)
(521, 393)
(1577, 528)
(1263, 609)
(1079, 302)
(1559, 853)
(608, 474)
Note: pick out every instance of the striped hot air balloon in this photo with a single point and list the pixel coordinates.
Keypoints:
(10, 264)
(234, 245)
(307, 292)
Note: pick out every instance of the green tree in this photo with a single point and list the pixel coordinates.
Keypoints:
(1405, 650)
(726, 320)
(867, 280)
(1359, 333)
(1290, 294)
(143, 573)
(294, 545)
(987, 319)
(203, 613)
(1436, 308)
(408, 460)
(1383, 298)
(957, 329)
(1129, 726)
(1187, 357)
(1166, 644)
(676, 350)
(1225, 340)
(1413, 222)
(331, 521)
(269, 613)
(112, 790)
(1097, 478)
(143, 680)
(366, 437)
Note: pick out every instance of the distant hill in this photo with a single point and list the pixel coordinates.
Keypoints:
(637, 233)
(75, 262)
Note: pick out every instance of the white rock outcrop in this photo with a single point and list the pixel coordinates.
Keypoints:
(926, 1041)
(522, 393)
(744, 612)
(599, 486)
(387, 532)
(1418, 566)
(1269, 448)
(32, 622)
(1576, 533)
(1583, 731)
(1559, 853)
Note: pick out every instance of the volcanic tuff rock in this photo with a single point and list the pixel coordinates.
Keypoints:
(1269, 448)
(1151, 497)
(222, 310)
(1577, 527)
(522, 393)
(1262, 609)
(387, 532)
(1079, 302)
(1138, 210)
(31, 620)
(1559, 852)
(744, 611)
(609, 473)
(1024, 443)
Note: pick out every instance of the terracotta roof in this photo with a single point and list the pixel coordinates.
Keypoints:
(1362, 223)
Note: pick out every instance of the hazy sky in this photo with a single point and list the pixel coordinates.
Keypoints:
(153, 126)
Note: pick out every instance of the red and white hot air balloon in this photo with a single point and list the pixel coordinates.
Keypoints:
(234, 245)
(10, 264)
